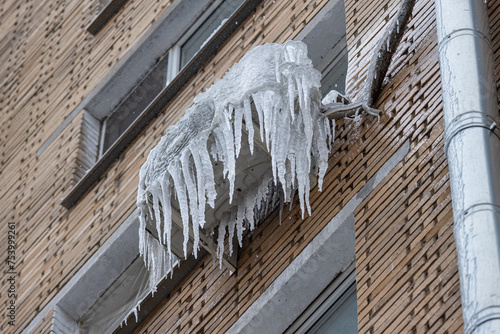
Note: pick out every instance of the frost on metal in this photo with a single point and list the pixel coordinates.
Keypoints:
(269, 101)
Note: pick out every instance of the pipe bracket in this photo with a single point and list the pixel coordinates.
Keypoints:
(481, 207)
(475, 208)
(481, 317)
(467, 120)
(464, 32)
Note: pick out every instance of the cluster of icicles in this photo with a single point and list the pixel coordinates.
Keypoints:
(279, 87)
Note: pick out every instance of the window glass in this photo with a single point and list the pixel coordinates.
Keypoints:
(116, 303)
(341, 317)
(116, 124)
(205, 31)
(327, 47)
(133, 105)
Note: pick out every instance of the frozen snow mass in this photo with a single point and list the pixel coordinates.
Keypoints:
(268, 101)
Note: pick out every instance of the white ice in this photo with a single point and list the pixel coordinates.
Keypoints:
(277, 87)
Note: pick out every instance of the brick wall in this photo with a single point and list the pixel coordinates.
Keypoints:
(406, 262)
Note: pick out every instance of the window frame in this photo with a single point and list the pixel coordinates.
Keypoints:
(94, 277)
(102, 134)
(329, 254)
(173, 67)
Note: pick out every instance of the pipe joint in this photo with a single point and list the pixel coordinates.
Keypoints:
(471, 119)
(461, 33)
(479, 207)
(484, 320)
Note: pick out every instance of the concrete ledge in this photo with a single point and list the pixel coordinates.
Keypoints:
(101, 270)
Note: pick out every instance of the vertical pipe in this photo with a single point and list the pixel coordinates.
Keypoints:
(472, 145)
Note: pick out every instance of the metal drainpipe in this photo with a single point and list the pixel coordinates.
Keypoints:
(472, 145)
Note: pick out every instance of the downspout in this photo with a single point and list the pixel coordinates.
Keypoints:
(472, 146)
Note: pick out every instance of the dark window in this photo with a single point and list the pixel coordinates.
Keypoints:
(341, 317)
(117, 302)
(196, 41)
(133, 105)
(327, 47)
(334, 311)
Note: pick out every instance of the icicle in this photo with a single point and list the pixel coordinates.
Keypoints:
(193, 198)
(302, 174)
(216, 148)
(229, 159)
(274, 143)
(142, 231)
(328, 133)
(333, 130)
(267, 109)
(248, 122)
(291, 97)
(231, 227)
(156, 207)
(200, 183)
(307, 190)
(220, 240)
(258, 101)
(292, 153)
(167, 213)
(180, 188)
(238, 124)
(209, 175)
(277, 63)
(240, 217)
(307, 119)
(300, 92)
(322, 160)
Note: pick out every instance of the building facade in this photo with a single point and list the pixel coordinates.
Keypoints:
(89, 88)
